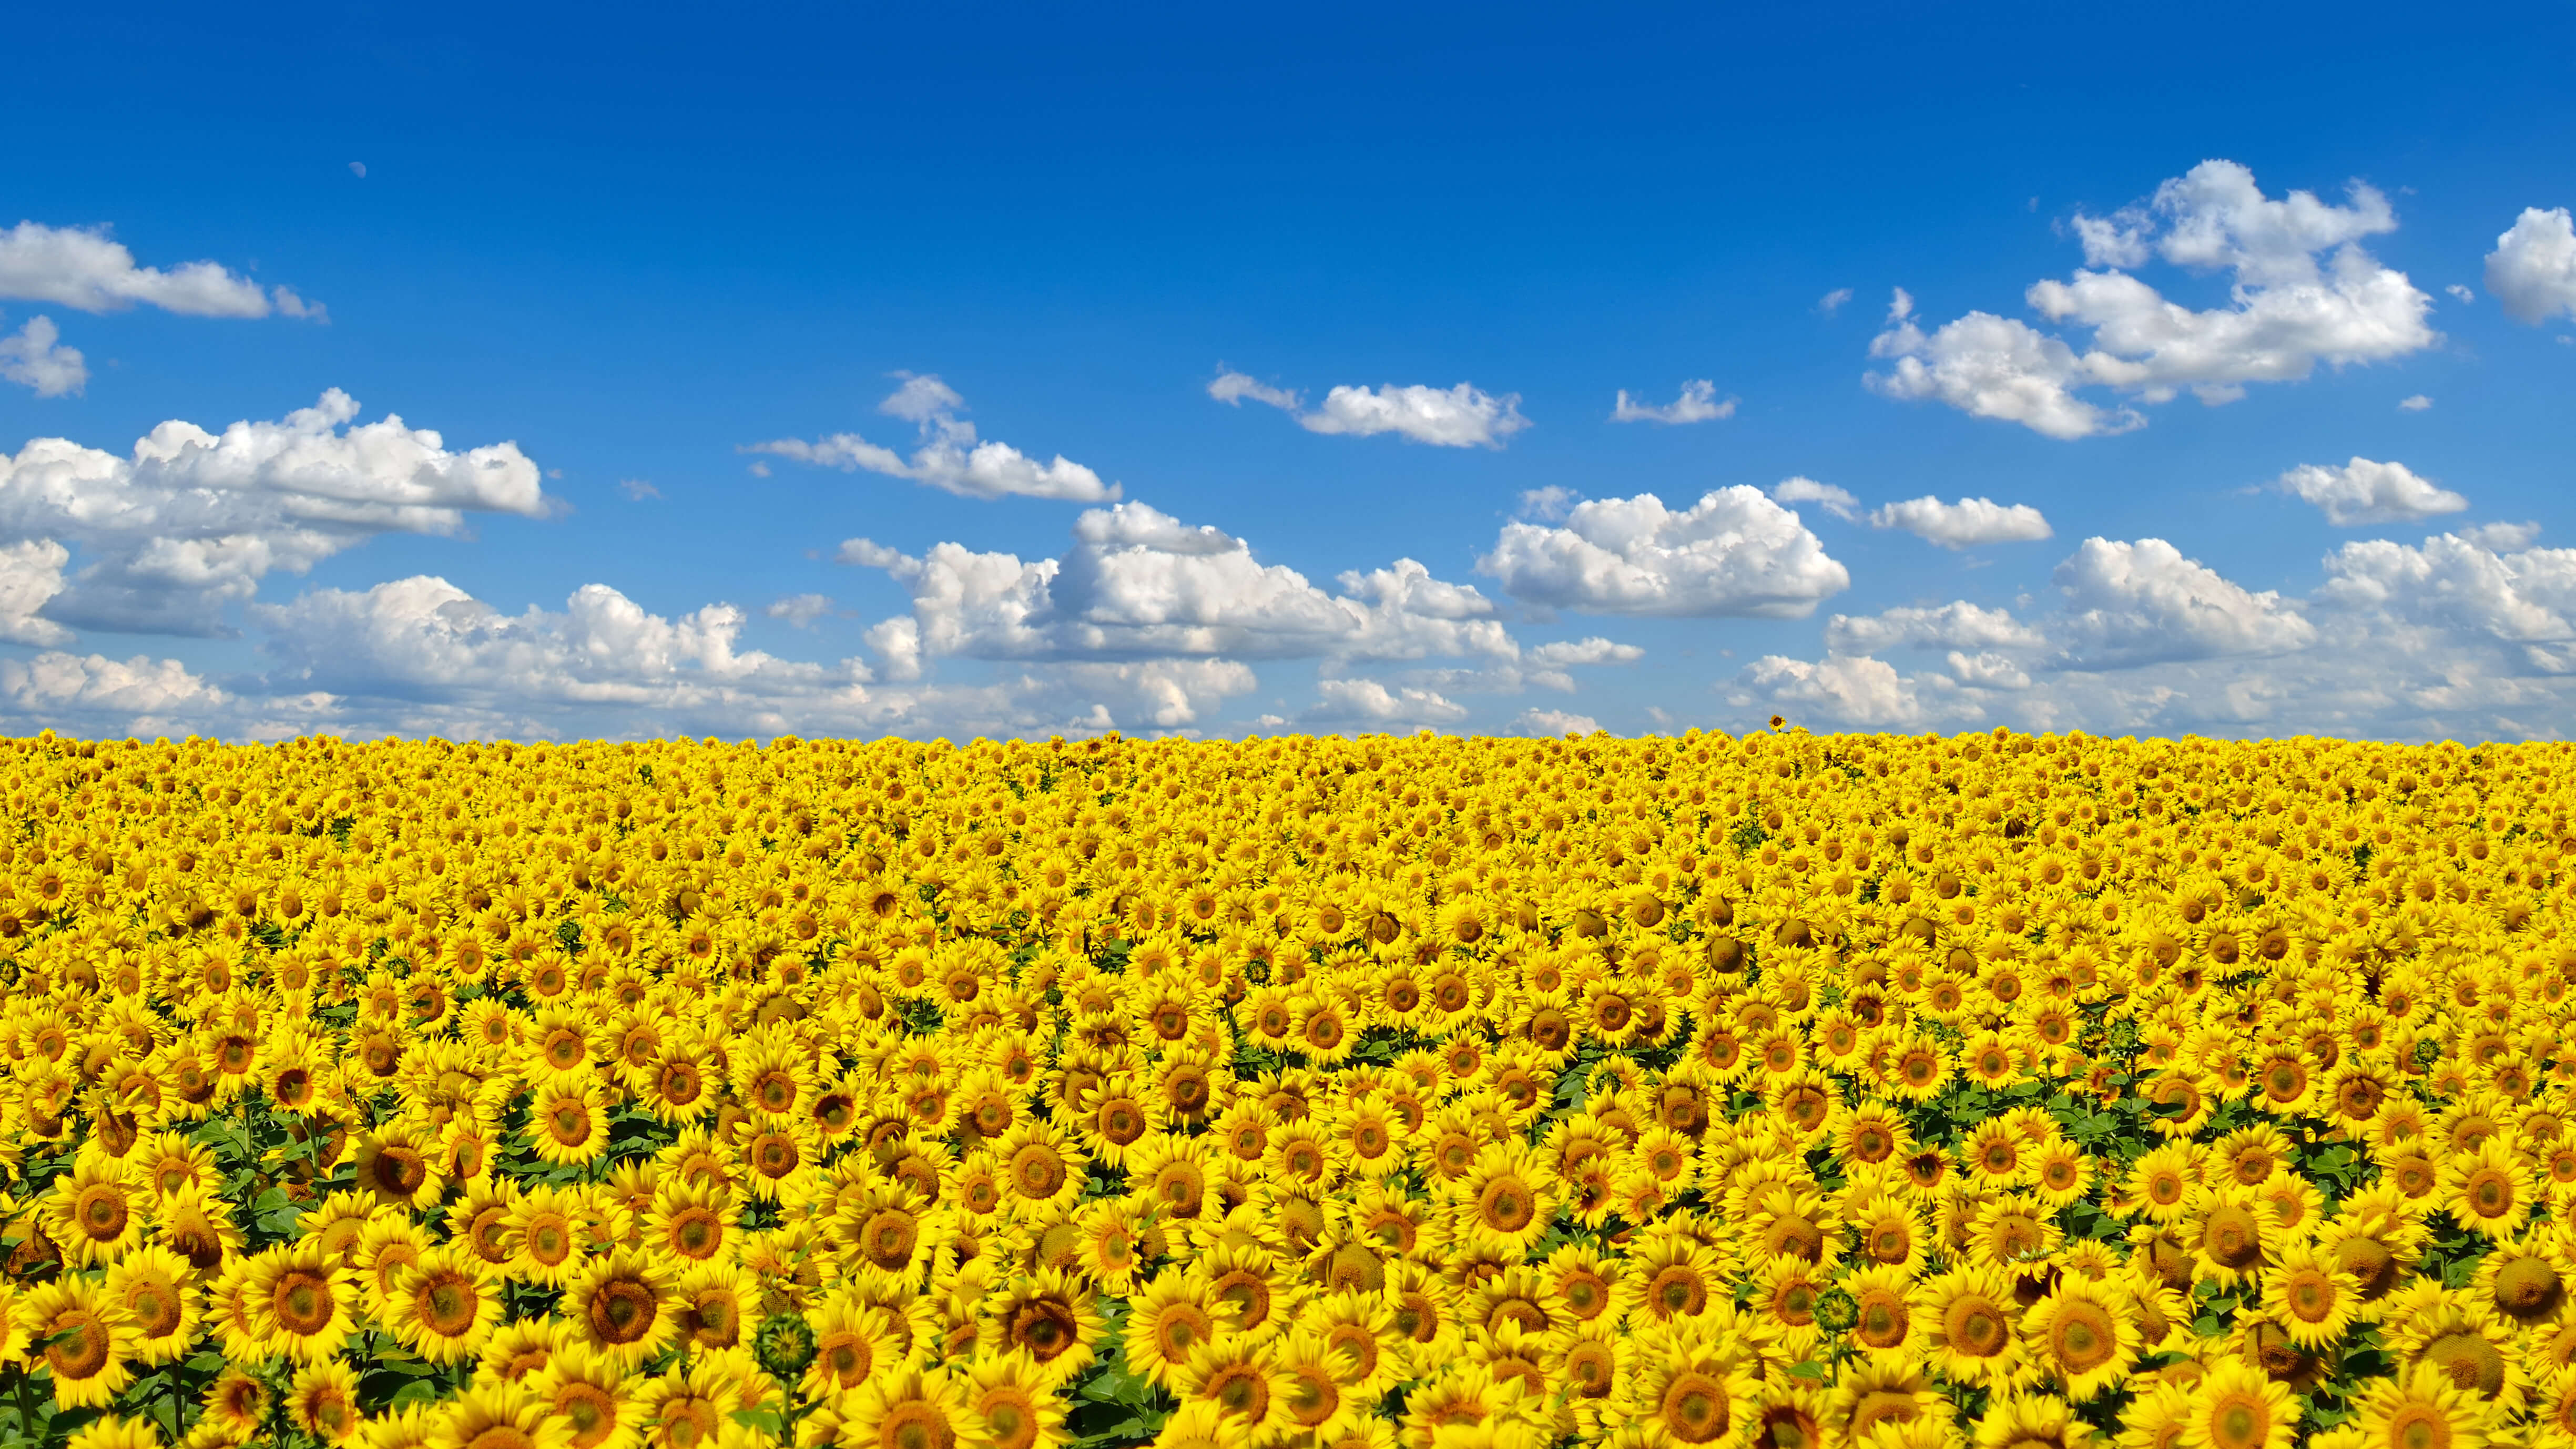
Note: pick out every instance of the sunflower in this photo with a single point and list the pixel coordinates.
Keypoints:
(323, 1402)
(1883, 1317)
(2234, 1406)
(1882, 1395)
(2311, 1295)
(1041, 1167)
(156, 1292)
(498, 1416)
(568, 1118)
(909, 1406)
(1967, 1320)
(688, 1405)
(2423, 1409)
(80, 1335)
(2079, 1336)
(400, 1166)
(2489, 1191)
(714, 1300)
(1051, 1318)
(1011, 1402)
(1689, 1393)
(445, 1305)
(544, 1234)
(1240, 1375)
(621, 1305)
(95, 1213)
(1171, 1319)
(1506, 1199)
(301, 1301)
(586, 1393)
(2232, 1233)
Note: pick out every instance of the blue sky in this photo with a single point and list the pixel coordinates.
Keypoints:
(2170, 289)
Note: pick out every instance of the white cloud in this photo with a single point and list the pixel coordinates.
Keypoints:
(1593, 650)
(2501, 537)
(1549, 504)
(1734, 553)
(1698, 403)
(950, 456)
(2288, 310)
(419, 655)
(31, 573)
(55, 686)
(1459, 417)
(637, 490)
(1231, 388)
(1547, 722)
(1837, 501)
(2362, 491)
(1964, 524)
(1365, 701)
(2416, 404)
(194, 520)
(2467, 635)
(91, 272)
(1860, 691)
(2532, 270)
(2142, 602)
(1833, 301)
(35, 357)
(2527, 595)
(1955, 625)
(800, 610)
(2460, 292)
(1139, 584)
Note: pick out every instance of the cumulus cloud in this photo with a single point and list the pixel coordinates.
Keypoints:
(950, 456)
(1231, 388)
(1593, 650)
(1735, 553)
(1837, 501)
(1964, 524)
(1545, 722)
(2520, 595)
(1458, 417)
(2135, 603)
(1549, 504)
(1366, 701)
(2416, 404)
(1862, 691)
(1140, 584)
(2362, 491)
(1833, 301)
(1697, 404)
(55, 686)
(191, 521)
(31, 573)
(34, 357)
(2464, 635)
(1956, 625)
(2532, 270)
(2303, 291)
(89, 271)
(800, 610)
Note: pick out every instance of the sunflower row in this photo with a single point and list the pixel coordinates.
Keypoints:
(1865, 1091)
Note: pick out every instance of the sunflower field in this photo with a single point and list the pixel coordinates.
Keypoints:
(1789, 1091)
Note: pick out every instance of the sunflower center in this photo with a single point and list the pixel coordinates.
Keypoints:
(1976, 1327)
(1694, 1408)
(303, 1302)
(622, 1311)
